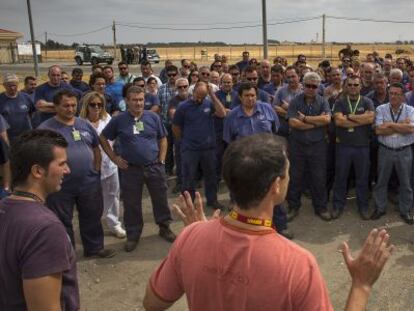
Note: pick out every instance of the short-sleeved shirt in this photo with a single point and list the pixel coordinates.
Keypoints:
(46, 92)
(271, 88)
(261, 95)
(196, 121)
(359, 135)
(136, 147)
(79, 151)
(384, 115)
(34, 244)
(17, 113)
(237, 124)
(114, 89)
(264, 272)
(318, 107)
(173, 104)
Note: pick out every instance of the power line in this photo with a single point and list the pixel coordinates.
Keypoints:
(81, 33)
(217, 28)
(370, 20)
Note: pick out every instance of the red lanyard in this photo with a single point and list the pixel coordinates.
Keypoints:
(250, 220)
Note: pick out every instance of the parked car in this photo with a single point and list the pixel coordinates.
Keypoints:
(93, 54)
(152, 56)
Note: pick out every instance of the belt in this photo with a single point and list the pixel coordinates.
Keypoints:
(144, 165)
(395, 149)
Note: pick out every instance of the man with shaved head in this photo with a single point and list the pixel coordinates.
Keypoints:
(265, 77)
(368, 71)
(193, 124)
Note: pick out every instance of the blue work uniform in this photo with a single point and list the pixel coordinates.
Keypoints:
(352, 149)
(82, 187)
(46, 92)
(198, 143)
(17, 112)
(307, 149)
(139, 146)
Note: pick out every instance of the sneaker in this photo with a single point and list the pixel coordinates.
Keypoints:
(166, 233)
(130, 245)
(118, 232)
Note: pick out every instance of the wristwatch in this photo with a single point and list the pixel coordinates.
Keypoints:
(162, 162)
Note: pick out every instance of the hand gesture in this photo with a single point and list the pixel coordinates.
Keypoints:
(367, 267)
(189, 212)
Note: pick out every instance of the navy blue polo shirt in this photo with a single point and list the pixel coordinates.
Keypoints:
(46, 92)
(319, 106)
(150, 101)
(196, 121)
(237, 124)
(17, 112)
(271, 88)
(80, 85)
(80, 152)
(173, 104)
(136, 148)
(262, 96)
(359, 135)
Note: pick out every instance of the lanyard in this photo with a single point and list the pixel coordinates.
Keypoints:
(250, 220)
(395, 120)
(350, 105)
(26, 194)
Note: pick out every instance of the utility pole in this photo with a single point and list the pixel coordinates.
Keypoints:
(36, 65)
(323, 35)
(45, 45)
(114, 35)
(264, 20)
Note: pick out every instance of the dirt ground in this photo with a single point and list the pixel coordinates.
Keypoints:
(118, 284)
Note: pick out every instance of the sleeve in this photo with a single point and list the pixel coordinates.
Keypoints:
(227, 130)
(278, 97)
(379, 117)
(110, 131)
(338, 107)
(38, 95)
(161, 130)
(310, 292)
(292, 110)
(325, 106)
(178, 119)
(47, 251)
(369, 104)
(166, 280)
(3, 124)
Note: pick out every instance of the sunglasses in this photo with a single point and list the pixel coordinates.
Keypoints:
(171, 74)
(182, 86)
(141, 85)
(311, 86)
(95, 105)
(353, 84)
(188, 66)
(251, 79)
(205, 74)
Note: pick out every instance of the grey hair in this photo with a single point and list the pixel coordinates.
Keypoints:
(311, 76)
(396, 71)
(180, 80)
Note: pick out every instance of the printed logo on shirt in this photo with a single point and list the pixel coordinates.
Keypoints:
(23, 107)
(85, 134)
(207, 110)
(260, 117)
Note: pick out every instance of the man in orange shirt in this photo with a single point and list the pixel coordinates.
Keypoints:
(238, 262)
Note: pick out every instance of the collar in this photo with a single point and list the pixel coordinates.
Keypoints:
(257, 109)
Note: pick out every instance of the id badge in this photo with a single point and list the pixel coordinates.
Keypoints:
(228, 98)
(351, 129)
(76, 135)
(140, 126)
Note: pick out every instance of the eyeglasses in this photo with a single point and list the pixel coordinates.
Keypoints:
(186, 66)
(311, 86)
(95, 105)
(251, 79)
(205, 74)
(171, 74)
(353, 84)
(182, 86)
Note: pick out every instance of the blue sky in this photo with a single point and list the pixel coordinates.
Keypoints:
(60, 18)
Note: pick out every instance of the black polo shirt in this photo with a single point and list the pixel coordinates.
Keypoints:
(359, 135)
